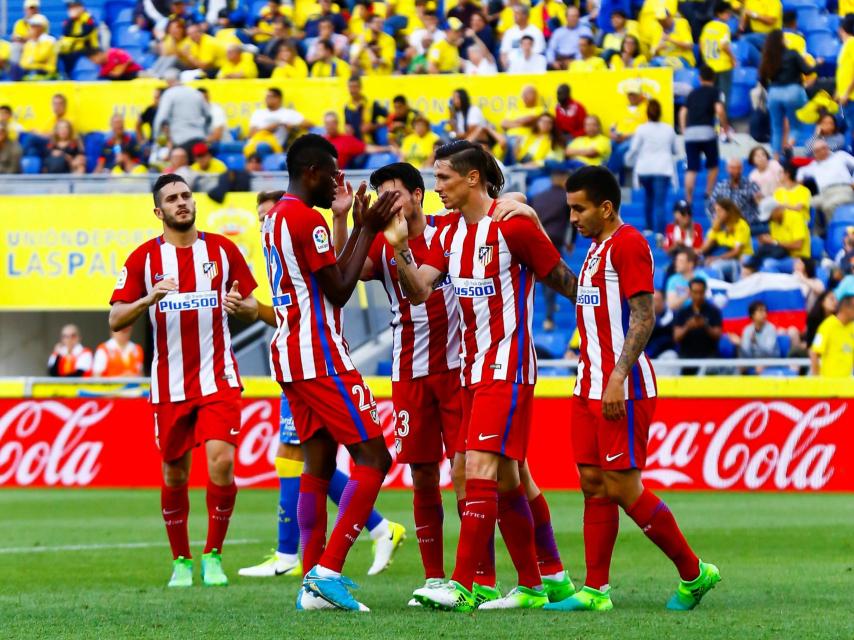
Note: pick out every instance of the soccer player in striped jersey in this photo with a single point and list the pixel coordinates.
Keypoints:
(426, 389)
(309, 357)
(614, 397)
(284, 560)
(493, 266)
(180, 279)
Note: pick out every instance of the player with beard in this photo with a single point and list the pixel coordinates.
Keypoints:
(180, 279)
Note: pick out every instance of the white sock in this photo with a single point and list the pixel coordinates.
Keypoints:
(323, 572)
(290, 558)
(382, 530)
(556, 576)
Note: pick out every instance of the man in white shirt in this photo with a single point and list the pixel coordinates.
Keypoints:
(276, 119)
(832, 175)
(513, 36)
(431, 32)
(219, 131)
(524, 60)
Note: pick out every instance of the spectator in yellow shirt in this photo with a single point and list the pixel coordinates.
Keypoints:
(21, 29)
(38, 58)
(373, 52)
(443, 56)
(629, 56)
(728, 240)
(541, 144)
(716, 48)
(674, 44)
(622, 131)
(127, 163)
(238, 64)
(793, 195)
(79, 34)
(328, 65)
(590, 60)
(612, 42)
(832, 350)
(417, 148)
(264, 25)
(593, 147)
(289, 64)
(787, 238)
(200, 51)
(520, 120)
(845, 67)
(205, 162)
(758, 19)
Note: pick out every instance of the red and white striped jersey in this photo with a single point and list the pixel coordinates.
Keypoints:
(614, 271)
(426, 337)
(192, 343)
(493, 267)
(309, 341)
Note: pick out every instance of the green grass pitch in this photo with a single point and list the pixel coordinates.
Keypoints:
(787, 563)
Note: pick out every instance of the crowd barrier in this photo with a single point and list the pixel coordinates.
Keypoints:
(92, 103)
(715, 433)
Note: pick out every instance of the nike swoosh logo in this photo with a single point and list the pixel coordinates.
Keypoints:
(223, 510)
(169, 513)
(234, 432)
(422, 527)
(476, 502)
(482, 437)
(357, 528)
(612, 458)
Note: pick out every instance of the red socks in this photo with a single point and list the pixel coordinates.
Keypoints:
(175, 506)
(601, 523)
(548, 556)
(428, 529)
(355, 506)
(478, 524)
(517, 529)
(220, 506)
(311, 516)
(658, 524)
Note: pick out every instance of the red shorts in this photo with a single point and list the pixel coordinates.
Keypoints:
(497, 418)
(180, 426)
(611, 444)
(341, 404)
(428, 413)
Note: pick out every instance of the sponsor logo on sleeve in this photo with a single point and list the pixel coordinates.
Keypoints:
(321, 239)
(123, 278)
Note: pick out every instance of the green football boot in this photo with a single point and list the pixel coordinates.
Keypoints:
(688, 594)
(212, 573)
(588, 599)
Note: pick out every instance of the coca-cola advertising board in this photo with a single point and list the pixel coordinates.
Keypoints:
(789, 444)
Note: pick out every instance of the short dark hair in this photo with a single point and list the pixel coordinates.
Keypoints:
(707, 73)
(308, 150)
(202, 90)
(275, 91)
(255, 157)
(689, 254)
(5, 107)
(399, 99)
(527, 37)
(721, 6)
(328, 44)
(697, 280)
(162, 181)
(269, 196)
(598, 183)
(619, 12)
(755, 306)
(465, 156)
(589, 39)
(790, 17)
(408, 175)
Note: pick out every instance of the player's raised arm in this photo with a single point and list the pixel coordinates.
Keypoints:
(416, 281)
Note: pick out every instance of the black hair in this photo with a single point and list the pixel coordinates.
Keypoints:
(589, 39)
(621, 13)
(809, 267)
(698, 280)
(721, 6)
(269, 196)
(408, 175)
(465, 104)
(276, 92)
(598, 183)
(755, 306)
(790, 17)
(307, 151)
(688, 252)
(162, 181)
(527, 37)
(653, 110)
(328, 44)
(399, 99)
(791, 170)
(255, 157)
(707, 74)
(5, 107)
(202, 90)
(465, 156)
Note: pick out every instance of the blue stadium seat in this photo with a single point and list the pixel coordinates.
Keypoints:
(794, 5)
(822, 46)
(784, 343)
(381, 136)
(377, 160)
(803, 132)
(783, 372)
(274, 162)
(816, 248)
(689, 76)
(124, 37)
(257, 5)
(384, 368)
(85, 71)
(744, 79)
(231, 147)
(122, 16)
(234, 161)
(114, 8)
(741, 49)
(552, 344)
(538, 185)
(31, 164)
(844, 213)
(726, 349)
(93, 144)
(823, 274)
(812, 21)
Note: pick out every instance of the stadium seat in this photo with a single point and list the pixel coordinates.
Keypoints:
(124, 37)
(802, 133)
(384, 368)
(844, 213)
(377, 160)
(85, 71)
(123, 15)
(813, 21)
(822, 46)
(114, 8)
(231, 147)
(31, 164)
(538, 185)
(726, 349)
(817, 248)
(234, 161)
(744, 79)
(93, 144)
(552, 344)
(381, 136)
(741, 49)
(274, 162)
(795, 5)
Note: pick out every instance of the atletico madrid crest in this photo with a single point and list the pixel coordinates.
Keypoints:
(592, 266)
(484, 254)
(210, 269)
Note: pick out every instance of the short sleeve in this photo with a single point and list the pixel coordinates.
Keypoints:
(311, 234)
(632, 259)
(375, 255)
(238, 270)
(435, 256)
(130, 285)
(819, 343)
(530, 245)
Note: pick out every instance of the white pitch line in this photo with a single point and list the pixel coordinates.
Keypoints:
(102, 547)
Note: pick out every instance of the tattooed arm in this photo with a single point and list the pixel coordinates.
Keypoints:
(562, 280)
(641, 324)
(417, 282)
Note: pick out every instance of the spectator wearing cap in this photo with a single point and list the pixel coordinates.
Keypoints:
(563, 45)
(205, 162)
(10, 152)
(832, 175)
(21, 29)
(348, 147)
(238, 64)
(522, 26)
(832, 349)
(329, 65)
(524, 59)
(373, 52)
(698, 326)
(697, 124)
(787, 238)
(676, 287)
(443, 56)
(569, 114)
(683, 231)
(744, 193)
(622, 131)
(417, 148)
(79, 34)
(39, 55)
(588, 58)
(127, 162)
(652, 152)
(673, 42)
(728, 239)
(186, 111)
(113, 144)
(115, 64)
(845, 69)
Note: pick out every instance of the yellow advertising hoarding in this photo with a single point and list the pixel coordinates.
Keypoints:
(91, 104)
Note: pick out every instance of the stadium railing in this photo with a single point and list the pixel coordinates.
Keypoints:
(675, 366)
